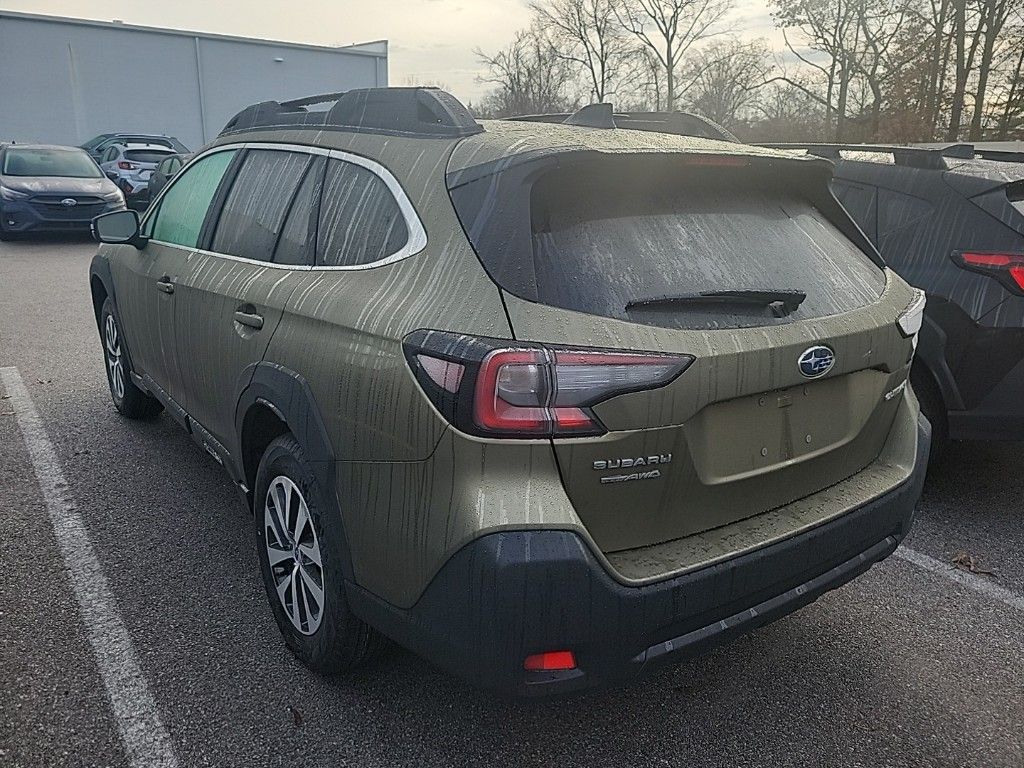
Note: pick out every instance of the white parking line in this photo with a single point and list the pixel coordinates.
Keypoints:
(972, 581)
(145, 739)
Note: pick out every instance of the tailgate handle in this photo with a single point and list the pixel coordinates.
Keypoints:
(250, 319)
(164, 284)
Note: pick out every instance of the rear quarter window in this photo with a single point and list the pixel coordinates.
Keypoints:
(360, 220)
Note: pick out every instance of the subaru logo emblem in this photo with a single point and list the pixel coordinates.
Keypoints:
(815, 362)
(69, 202)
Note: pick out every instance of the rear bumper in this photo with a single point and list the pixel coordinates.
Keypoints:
(512, 594)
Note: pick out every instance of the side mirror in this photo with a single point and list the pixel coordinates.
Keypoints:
(118, 228)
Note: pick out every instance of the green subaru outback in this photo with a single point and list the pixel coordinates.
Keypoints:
(548, 404)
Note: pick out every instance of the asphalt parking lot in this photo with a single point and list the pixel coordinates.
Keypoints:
(916, 663)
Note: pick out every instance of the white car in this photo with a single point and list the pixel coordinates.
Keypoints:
(131, 166)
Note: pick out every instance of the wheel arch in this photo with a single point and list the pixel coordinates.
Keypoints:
(101, 285)
(277, 401)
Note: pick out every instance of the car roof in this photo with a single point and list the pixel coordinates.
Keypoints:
(502, 140)
(114, 136)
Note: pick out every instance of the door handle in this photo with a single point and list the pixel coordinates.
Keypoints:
(164, 284)
(251, 319)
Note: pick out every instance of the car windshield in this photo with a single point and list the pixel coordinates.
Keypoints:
(68, 163)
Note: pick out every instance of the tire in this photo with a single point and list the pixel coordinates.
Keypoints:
(129, 400)
(933, 406)
(331, 641)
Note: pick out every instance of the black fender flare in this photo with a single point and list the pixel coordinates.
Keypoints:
(99, 269)
(288, 395)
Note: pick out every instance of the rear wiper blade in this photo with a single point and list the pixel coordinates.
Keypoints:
(781, 303)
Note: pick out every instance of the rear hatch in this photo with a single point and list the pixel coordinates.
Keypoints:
(145, 161)
(747, 264)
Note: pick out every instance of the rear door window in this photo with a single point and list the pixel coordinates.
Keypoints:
(255, 208)
(296, 244)
(185, 203)
(898, 211)
(360, 220)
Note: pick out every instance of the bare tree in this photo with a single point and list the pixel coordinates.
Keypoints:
(587, 34)
(784, 112)
(831, 28)
(724, 79)
(994, 15)
(882, 24)
(668, 29)
(1010, 103)
(529, 77)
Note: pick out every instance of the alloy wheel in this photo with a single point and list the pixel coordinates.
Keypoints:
(293, 552)
(115, 360)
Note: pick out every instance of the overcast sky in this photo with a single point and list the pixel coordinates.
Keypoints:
(430, 40)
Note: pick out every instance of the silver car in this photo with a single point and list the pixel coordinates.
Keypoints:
(131, 166)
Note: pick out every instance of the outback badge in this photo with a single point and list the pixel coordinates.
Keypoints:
(815, 362)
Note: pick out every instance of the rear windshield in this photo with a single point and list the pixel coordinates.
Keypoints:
(66, 163)
(146, 155)
(648, 239)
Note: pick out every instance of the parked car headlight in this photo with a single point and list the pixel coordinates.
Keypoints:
(911, 318)
(117, 196)
(12, 194)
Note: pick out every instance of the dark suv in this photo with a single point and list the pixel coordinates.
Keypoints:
(950, 220)
(548, 404)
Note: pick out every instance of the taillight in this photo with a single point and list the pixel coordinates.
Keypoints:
(498, 388)
(124, 165)
(1007, 268)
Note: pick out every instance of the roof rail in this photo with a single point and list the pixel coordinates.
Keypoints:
(913, 157)
(1001, 155)
(677, 123)
(425, 112)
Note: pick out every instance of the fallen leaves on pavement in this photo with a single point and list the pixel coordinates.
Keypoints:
(970, 563)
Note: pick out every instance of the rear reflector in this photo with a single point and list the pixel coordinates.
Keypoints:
(1007, 268)
(550, 661)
